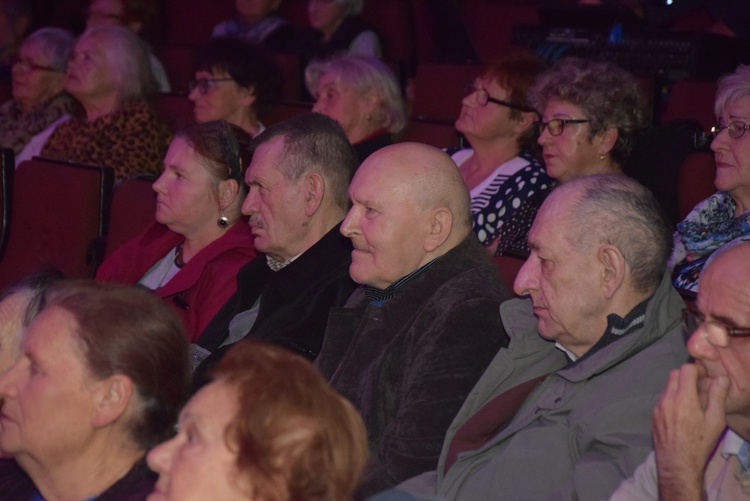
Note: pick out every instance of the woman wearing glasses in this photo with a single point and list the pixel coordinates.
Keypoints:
(591, 114)
(110, 76)
(724, 218)
(191, 255)
(235, 81)
(39, 102)
(499, 168)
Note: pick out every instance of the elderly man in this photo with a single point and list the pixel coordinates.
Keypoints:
(703, 398)
(411, 343)
(298, 179)
(566, 415)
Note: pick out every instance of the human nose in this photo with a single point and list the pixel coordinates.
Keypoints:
(158, 185)
(526, 280)
(721, 140)
(250, 203)
(349, 226)
(318, 106)
(159, 458)
(7, 378)
(700, 346)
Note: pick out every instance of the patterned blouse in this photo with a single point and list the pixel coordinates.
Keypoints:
(131, 139)
(17, 128)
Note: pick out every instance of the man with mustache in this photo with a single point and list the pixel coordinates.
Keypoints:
(297, 198)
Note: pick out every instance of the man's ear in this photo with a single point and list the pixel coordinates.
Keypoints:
(613, 269)
(228, 190)
(314, 189)
(441, 225)
(113, 397)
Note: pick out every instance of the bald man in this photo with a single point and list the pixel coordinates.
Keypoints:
(415, 337)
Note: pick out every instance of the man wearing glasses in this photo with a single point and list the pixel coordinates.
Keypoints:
(565, 411)
(707, 401)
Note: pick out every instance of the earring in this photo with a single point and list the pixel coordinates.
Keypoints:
(601, 157)
(222, 221)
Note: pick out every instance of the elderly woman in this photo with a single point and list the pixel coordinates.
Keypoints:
(268, 427)
(109, 75)
(39, 104)
(336, 26)
(134, 15)
(101, 377)
(235, 81)
(257, 22)
(724, 218)
(191, 255)
(361, 93)
(500, 169)
(591, 115)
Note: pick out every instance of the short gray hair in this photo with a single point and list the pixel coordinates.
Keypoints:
(617, 210)
(364, 74)
(56, 43)
(128, 61)
(731, 88)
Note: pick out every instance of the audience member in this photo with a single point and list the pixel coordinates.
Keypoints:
(298, 178)
(39, 104)
(109, 75)
(258, 22)
(499, 168)
(705, 402)
(412, 341)
(336, 26)
(270, 428)
(724, 216)
(191, 254)
(591, 115)
(235, 81)
(18, 307)
(565, 411)
(134, 15)
(362, 94)
(102, 375)
(15, 20)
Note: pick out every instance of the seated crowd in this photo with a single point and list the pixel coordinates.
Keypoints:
(314, 312)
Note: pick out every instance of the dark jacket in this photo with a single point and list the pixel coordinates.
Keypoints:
(408, 365)
(295, 300)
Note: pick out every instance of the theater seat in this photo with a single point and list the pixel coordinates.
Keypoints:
(508, 267)
(7, 171)
(133, 208)
(696, 180)
(438, 134)
(58, 210)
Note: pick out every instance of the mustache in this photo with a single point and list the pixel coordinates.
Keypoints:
(256, 222)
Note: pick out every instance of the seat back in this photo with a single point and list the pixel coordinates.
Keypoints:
(58, 210)
(508, 268)
(133, 208)
(175, 110)
(7, 171)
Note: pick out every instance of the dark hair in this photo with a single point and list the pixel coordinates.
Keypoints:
(249, 65)
(516, 72)
(141, 11)
(315, 142)
(617, 210)
(127, 330)
(296, 438)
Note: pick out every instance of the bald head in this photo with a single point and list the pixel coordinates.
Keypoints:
(409, 206)
(728, 269)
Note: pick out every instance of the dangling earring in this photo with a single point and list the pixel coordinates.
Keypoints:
(601, 157)
(223, 222)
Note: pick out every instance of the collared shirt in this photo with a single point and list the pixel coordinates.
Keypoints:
(379, 296)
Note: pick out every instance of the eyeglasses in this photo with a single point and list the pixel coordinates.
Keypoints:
(25, 65)
(557, 125)
(204, 84)
(483, 97)
(717, 332)
(736, 129)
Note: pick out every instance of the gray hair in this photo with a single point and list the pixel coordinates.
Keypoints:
(608, 95)
(56, 43)
(128, 61)
(314, 142)
(731, 88)
(364, 74)
(617, 210)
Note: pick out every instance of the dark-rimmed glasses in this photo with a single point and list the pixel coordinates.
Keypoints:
(557, 125)
(204, 84)
(25, 65)
(483, 97)
(717, 332)
(735, 129)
